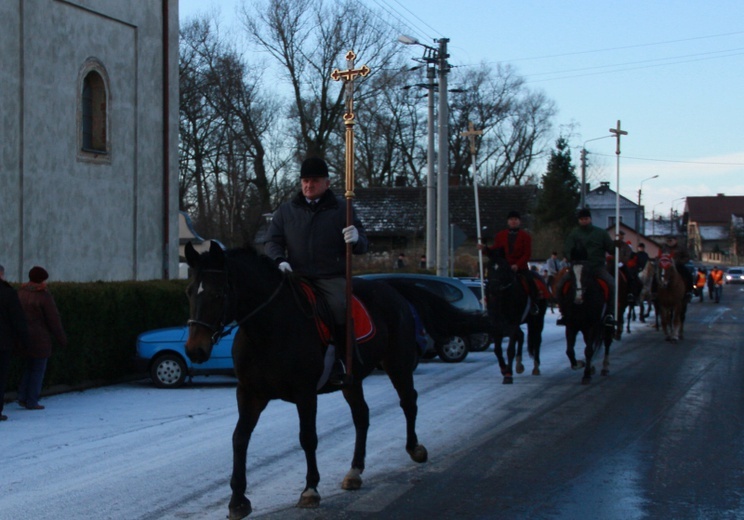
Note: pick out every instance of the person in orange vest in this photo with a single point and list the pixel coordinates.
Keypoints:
(717, 276)
(699, 289)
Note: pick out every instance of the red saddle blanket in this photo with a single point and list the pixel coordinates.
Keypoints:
(602, 285)
(542, 288)
(364, 327)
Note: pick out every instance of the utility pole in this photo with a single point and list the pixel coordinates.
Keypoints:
(618, 132)
(470, 134)
(443, 163)
(431, 180)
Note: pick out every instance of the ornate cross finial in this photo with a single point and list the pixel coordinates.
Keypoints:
(471, 133)
(348, 76)
(618, 133)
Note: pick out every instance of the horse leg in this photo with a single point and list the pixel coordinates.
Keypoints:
(591, 340)
(403, 384)
(534, 341)
(520, 344)
(249, 410)
(571, 334)
(498, 350)
(606, 360)
(307, 409)
(510, 351)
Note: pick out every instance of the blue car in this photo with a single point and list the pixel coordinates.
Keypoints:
(162, 354)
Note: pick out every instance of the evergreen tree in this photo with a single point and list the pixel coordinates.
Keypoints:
(559, 196)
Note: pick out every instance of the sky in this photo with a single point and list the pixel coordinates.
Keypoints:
(671, 71)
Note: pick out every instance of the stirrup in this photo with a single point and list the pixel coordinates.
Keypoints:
(609, 320)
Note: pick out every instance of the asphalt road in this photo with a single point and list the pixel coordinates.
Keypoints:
(659, 438)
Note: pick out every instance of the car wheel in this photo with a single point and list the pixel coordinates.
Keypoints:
(168, 371)
(479, 342)
(453, 351)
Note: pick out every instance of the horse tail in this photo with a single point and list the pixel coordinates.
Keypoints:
(441, 319)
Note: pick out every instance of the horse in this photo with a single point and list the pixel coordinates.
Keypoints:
(509, 306)
(671, 298)
(279, 353)
(582, 300)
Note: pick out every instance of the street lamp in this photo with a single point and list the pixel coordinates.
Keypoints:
(439, 57)
(640, 208)
(640, 188)
(583, 168)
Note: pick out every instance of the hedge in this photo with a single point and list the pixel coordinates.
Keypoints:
(102, 321)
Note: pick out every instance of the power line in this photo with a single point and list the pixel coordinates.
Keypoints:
(703, 163)
(398, 16)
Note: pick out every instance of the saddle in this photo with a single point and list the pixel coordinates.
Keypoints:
(364, 327)
(602, 284)
(542, 288)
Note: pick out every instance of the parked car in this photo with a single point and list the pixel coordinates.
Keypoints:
(479, 341)
(734, 275)
(162, 354)
(458, 294)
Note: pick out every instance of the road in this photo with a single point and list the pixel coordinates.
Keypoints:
(659, 438)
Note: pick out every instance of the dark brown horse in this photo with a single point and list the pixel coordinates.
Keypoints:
(671, 299)
(279, 353)
(583, 304)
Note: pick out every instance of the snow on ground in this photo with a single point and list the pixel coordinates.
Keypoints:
(136, 452)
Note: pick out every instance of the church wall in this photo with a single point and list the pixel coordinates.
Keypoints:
(90, 216)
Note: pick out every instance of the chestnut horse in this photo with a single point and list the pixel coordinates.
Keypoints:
(671, 299)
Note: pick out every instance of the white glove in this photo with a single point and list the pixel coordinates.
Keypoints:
(285, 267)
(351, 235)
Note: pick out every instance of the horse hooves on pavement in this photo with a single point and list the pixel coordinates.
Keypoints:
(520, 368)
(352, 481)
(535, 371)
(578, 366)
(508, 380)
(419, 453)
(240, 510)
(309, 499)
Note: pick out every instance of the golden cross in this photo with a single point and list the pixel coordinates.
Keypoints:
(471, 133)
(348, 76)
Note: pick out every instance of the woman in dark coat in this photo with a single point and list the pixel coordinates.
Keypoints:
(44, 324)
(13, 332)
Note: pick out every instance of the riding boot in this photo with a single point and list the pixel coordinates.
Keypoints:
(338, 376)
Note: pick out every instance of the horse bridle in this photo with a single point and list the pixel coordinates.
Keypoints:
(218, 331)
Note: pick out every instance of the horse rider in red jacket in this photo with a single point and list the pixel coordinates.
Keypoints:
(517, 246)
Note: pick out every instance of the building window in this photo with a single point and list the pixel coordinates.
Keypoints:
(94, 117)
(94, 113)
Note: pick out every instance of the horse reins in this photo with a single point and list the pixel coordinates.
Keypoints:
(219, 332)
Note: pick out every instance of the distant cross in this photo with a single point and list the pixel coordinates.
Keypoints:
(618, 133)
(471, 133)
(349, 75)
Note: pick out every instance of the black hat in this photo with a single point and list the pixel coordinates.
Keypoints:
(313, 167)
(513, 214)
(584, 212)
(37, 274)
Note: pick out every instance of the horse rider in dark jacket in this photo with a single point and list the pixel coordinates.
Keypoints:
(592, 243)
(308, 236)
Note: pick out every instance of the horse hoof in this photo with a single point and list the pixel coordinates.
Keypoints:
(353, 480)
(578, 366)
(240, 510)
(418, 454)
(309, 499)
(535, 371)
(520, 368)
(508, 380)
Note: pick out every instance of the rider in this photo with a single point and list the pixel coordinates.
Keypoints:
(517, 246)
(308, 235)
(641, 256)
(591, 243)
(681, 257)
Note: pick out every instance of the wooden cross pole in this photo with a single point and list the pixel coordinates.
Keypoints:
(470, 134)
(618, 132)
(348, 77)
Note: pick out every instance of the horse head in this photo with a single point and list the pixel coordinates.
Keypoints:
(500, 274)
(209, 301)
(666, 271)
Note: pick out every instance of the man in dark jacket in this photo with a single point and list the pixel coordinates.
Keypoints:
(13, 332)
(591, 243)
(308, 236)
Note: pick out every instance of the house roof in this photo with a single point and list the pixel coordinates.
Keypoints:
(603, 197)
(714, 210)
(714, 232)
(402, 211)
